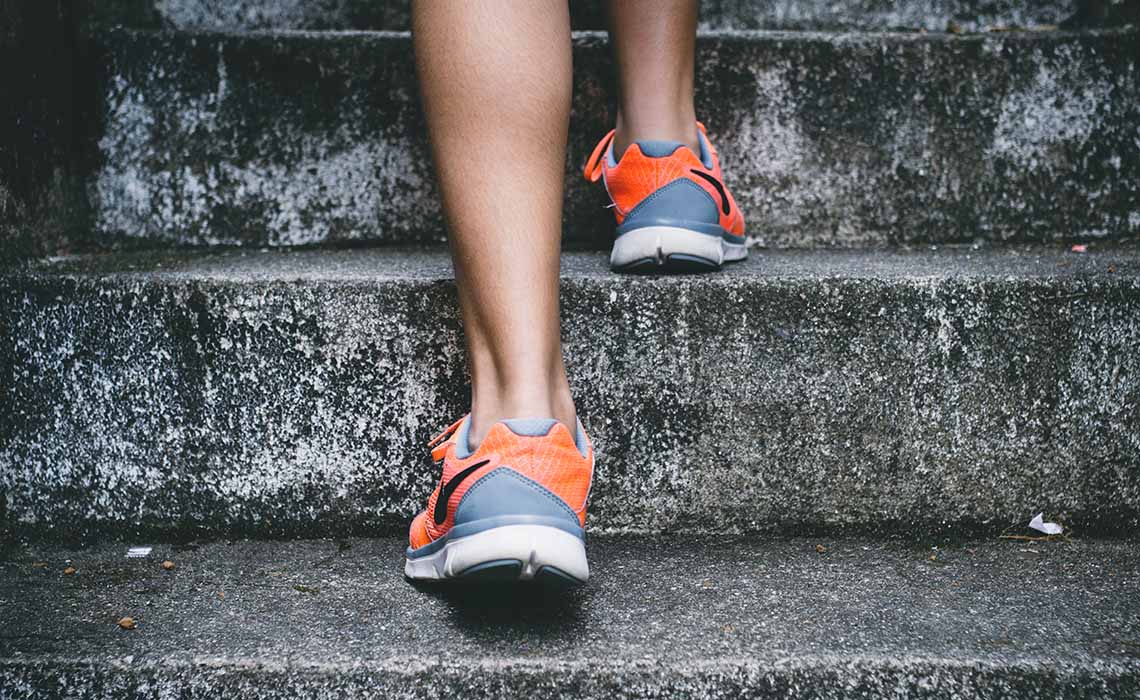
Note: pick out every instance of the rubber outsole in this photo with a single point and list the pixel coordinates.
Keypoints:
(511, 571)
(508, 553)
(678, 263)
(672, 249)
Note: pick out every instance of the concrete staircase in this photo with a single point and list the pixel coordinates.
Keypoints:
(915, 363)
(664, 617)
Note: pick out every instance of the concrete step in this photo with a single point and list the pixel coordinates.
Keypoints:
(871, 15)
(292, 393)
(660, 618)
(284, 139)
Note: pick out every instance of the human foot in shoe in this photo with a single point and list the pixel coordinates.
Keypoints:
(511, 509)
(674, 213)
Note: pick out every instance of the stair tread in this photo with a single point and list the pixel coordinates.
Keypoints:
(359, 14)
(592, 37)
(658, 613)
(429, 264)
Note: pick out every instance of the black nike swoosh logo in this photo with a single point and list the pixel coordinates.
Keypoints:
(440, 512)
(719, 189)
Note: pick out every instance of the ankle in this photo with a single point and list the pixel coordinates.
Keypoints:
(675, 127)
(491, 406)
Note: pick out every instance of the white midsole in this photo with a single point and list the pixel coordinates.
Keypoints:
(658, 242)
(535, 546)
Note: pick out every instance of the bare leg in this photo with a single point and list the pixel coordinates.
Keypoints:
(495, 78)
(655, 47)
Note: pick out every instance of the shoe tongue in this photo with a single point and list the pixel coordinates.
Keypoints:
(659, 149)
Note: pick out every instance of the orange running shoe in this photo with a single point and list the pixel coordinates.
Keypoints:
(673, 211)
(513, 509)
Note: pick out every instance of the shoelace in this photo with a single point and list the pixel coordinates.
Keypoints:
(593, 169)
(439, 444)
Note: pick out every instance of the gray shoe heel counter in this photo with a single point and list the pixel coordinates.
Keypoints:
(505, 493)
(681, 202)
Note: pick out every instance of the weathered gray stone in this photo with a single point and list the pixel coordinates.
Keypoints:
(660, 618)
(827, 139)
(285, 393)
(931, 15)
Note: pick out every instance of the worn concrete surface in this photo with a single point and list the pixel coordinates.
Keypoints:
(293, 392)
(660, 618)
(931, 15)
(827, 139)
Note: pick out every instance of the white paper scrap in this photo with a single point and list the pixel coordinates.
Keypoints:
(1040, 525)
(138, 552)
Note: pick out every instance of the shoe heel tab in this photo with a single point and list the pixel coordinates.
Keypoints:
(550, 428)
(530, 427)
(657, 149)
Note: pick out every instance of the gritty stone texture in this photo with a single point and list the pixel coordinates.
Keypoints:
(827, 139)
(872, 15)
(259, 142)
(660, 618)
(931, 15)
(288, 393)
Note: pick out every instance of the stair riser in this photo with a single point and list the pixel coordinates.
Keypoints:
(822, 681)
(730, 404)
(932, 15)
(826, 140)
